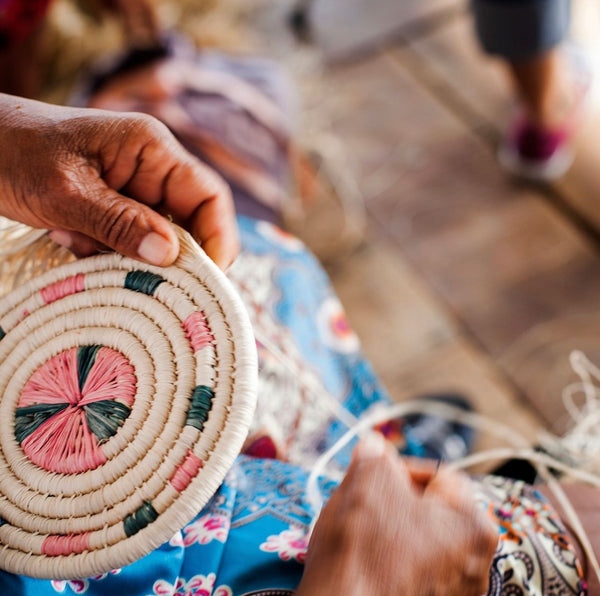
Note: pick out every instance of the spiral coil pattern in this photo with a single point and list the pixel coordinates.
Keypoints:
(127, 391)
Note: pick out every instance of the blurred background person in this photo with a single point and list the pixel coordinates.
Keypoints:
(551, 82)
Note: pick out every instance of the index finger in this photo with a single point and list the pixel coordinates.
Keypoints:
(176, 184)
(454, 488)
(213, 223)
(198, 198)
(422, 471)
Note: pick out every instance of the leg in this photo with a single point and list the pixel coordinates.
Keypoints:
(545, 87)
(527, 34)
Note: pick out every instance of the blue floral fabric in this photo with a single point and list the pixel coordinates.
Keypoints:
(251, 538)
(252, 535)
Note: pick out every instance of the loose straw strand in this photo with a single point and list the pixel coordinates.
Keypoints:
(577, 446)
(581, 436)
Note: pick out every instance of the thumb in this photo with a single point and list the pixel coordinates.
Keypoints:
(370, 448)
(123, 224)
(454, 488)
(375, 459)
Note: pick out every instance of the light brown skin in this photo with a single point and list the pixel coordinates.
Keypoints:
(100, 179)
(103, 179)
(546, 87)
(396, 526)
(393, 528)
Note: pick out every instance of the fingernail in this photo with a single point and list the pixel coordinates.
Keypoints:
(61, 237)
(371, 447)
(155, 249)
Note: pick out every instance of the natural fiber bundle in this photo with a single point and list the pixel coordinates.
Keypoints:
(126, 393)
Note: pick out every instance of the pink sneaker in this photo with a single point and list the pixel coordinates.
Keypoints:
(536, 153)
(542, 154)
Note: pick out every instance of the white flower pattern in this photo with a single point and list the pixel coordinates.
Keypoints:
(209, 527)
(79, 586)
(335, 329)
(198, 585)
(289, 544)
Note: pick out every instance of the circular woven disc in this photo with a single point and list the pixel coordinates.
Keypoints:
(127, 391)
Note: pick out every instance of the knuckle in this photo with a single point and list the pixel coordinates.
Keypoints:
(357, 503)
(149, 126)
(354, 495)
(131, 127)
(69, 185)
(341, 534)
(222, 189)
(207, 177)
(117, 224)
(336, 528)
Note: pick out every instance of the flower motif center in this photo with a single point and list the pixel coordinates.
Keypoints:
(72, 404)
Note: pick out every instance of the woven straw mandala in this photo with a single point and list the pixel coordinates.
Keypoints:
(127, 391)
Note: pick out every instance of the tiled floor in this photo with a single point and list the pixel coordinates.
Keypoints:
(465, 281)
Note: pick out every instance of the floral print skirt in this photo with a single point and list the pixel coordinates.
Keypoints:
(251, 538)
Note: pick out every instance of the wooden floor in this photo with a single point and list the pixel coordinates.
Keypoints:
(465, 281)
